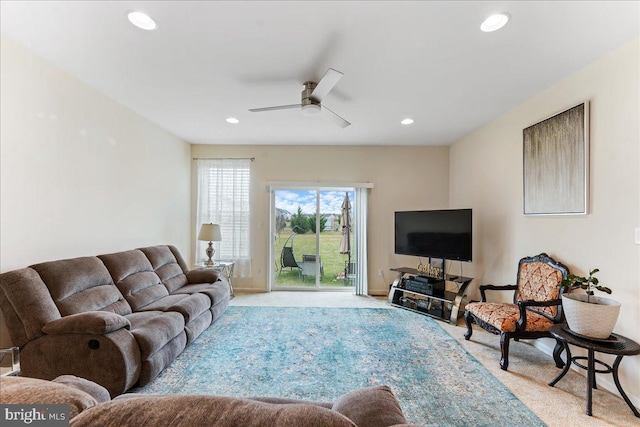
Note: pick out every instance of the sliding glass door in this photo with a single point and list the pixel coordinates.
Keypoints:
(312, 239)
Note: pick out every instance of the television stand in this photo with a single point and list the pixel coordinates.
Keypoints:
(428, 295)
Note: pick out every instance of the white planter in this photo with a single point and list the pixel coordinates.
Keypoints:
(589, 319)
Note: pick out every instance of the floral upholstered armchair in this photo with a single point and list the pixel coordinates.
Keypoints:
(536, 306)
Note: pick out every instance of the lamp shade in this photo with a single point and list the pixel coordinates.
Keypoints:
(210, 233)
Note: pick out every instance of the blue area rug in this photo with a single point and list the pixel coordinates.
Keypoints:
(321, 353)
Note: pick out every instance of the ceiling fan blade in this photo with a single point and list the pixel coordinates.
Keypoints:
(326, 83)
(279, 107)
(334, 117)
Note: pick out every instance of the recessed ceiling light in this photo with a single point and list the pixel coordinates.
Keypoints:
(232, 120)
(407, 121)
(141, 20)
(495, 22)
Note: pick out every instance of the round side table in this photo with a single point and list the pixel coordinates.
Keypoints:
(617, 345)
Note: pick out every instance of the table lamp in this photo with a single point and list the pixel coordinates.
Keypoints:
(210, 233)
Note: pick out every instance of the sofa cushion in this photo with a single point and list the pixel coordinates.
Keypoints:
(211, 411)
(203, 275)
(284, 400)
(81, 284)
(217, 292)
(134, 276)
(98, 392)
(163, 304)
(504, 316)
(372, 407)
(190, 306)
(90, 322)
(168, 265)
(154, 329)
(23, 390)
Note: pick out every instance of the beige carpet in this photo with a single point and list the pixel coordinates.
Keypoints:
(529, 369)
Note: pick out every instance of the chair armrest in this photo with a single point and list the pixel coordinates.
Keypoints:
(522, 305)
(89, 322)
(532, 303)
(203, 275)
(484, 288)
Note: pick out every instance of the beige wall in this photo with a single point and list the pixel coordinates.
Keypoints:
(404, 178)
(486, 174)
(80, 173)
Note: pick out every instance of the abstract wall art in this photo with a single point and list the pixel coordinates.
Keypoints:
(556, 164)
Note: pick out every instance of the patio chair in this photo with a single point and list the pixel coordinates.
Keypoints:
(536, 306)
(309, 266)
(349, 272)
(287, 258)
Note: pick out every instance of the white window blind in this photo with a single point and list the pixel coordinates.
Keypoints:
(223, 198)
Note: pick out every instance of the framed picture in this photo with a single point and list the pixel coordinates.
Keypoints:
(556, 164)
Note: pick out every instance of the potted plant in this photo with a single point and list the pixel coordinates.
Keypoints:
(587, 314)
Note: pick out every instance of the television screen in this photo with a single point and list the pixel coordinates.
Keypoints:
(444, 234)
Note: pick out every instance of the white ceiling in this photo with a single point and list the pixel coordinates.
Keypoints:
(426, 60)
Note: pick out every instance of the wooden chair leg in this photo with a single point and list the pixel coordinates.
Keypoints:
(504, 351)
(468, 319)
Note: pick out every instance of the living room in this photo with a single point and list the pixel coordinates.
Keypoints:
(83, 174)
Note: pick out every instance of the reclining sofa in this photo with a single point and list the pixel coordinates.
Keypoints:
(89, 405)
(117, 319)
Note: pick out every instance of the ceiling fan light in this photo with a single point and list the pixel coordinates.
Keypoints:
(311, 109)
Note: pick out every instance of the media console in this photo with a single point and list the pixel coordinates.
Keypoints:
(428, 295)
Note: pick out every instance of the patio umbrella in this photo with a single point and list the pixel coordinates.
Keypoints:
(345, 220)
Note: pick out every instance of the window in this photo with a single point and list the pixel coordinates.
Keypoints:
(223, 198)
(295, 192)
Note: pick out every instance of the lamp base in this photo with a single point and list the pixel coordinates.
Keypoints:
(210, 252)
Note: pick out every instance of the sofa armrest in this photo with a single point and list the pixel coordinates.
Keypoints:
(27, 391)
(89, 322)
(112, 360)
(203, 275)
(374, 406)
(99, 393)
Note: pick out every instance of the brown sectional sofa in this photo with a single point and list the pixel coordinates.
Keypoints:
(116, 319)
(90, 405)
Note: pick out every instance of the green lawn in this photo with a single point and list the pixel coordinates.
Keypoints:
(332, 261)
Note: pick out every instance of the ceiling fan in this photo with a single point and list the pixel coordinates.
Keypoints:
(312, 95)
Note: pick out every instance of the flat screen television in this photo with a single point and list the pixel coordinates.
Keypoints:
(443, 234)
